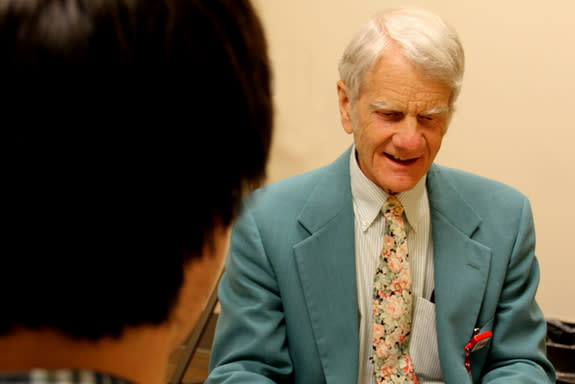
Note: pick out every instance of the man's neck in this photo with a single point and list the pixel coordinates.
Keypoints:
(140, 355)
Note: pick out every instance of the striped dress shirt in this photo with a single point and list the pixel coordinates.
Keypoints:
(60, 376)
(369, 225)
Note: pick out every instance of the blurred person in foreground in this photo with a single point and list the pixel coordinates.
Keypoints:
(384, 267)
(135, 128)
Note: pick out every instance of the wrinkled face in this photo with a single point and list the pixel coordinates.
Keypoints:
(397, 122)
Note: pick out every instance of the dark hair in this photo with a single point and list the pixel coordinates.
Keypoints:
(132, 129)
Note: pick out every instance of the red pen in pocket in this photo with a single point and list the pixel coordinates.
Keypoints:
(478, 341)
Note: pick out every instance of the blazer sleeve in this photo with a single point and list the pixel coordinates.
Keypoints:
(250, 342)
(517, 352)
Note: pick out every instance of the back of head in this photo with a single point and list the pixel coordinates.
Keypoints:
(132, 128)
(424, 38)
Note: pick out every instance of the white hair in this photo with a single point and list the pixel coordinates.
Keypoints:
(424, 39)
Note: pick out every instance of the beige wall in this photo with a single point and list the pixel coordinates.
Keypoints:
(515, 118)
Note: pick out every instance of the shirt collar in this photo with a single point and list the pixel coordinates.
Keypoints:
(368, 198)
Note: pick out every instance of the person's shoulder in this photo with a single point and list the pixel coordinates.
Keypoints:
(474, 187)
(292, 190)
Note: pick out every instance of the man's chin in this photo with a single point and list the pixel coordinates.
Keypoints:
(397, 186)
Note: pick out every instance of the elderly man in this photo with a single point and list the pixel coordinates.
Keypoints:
(383, 267)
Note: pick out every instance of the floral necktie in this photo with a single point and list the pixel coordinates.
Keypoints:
(392, 302)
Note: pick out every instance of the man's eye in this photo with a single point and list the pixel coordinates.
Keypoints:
(391, 115)
(426, 117)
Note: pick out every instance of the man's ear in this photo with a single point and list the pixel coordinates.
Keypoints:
(344, 107)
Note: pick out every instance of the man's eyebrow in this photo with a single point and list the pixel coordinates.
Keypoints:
(387, 107)
(435, 111)
(380, 105)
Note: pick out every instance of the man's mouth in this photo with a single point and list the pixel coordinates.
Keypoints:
(400, 160)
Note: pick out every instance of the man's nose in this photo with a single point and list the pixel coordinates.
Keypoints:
(408, 136)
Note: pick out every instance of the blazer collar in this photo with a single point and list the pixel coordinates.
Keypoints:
(445, 200)
(330, 197)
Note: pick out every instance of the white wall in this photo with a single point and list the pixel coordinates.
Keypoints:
(515, 118)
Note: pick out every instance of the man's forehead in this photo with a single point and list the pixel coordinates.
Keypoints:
(395, 82)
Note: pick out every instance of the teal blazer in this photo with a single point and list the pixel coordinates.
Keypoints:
(289, 311)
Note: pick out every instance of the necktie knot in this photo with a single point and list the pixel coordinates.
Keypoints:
(392, 207)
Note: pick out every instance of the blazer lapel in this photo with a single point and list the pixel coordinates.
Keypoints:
(326, 263)
(461, 267)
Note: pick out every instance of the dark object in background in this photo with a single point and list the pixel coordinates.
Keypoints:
(561, 349)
